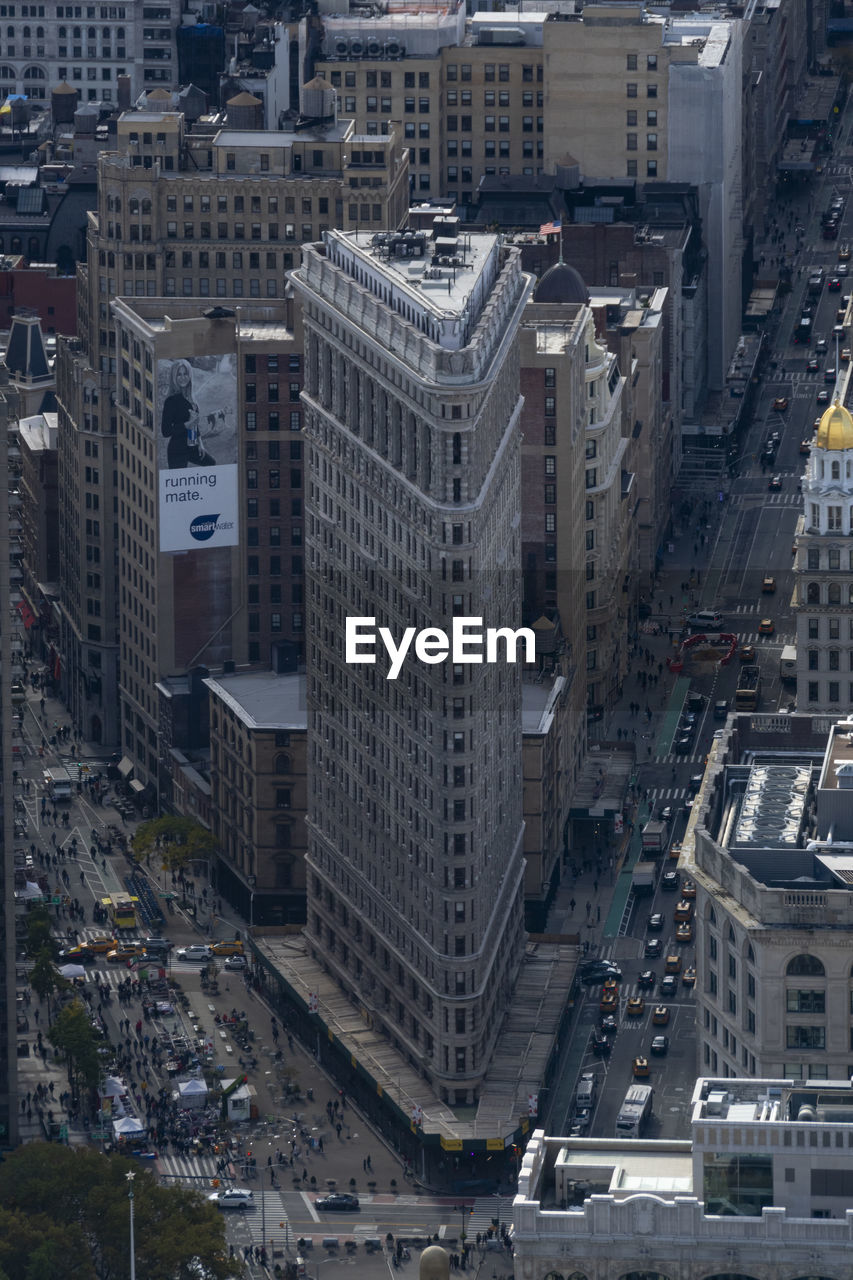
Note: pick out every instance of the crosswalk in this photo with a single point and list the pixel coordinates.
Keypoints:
(666, 795)
(484, 1212)
(783, 499)
(196, 1171)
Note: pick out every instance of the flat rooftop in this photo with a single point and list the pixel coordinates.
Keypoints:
(276, 140)
(441, 288)
(838, 765)
(264, 700)
(537, 704)
(628, 1172)
(740, 1100)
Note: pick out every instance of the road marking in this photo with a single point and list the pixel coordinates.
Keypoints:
(309, 1205)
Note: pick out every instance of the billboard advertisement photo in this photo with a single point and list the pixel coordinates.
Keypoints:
(197, 452)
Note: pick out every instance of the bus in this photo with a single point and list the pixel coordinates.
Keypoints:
(635, 1111)
(121, 909)
(748, 689)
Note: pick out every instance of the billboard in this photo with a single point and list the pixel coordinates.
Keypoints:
(197, 452)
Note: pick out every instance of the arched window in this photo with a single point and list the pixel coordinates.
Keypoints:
(834, 593)
(731, 934)
(146, 206)
(92, 33)
(750, 954)
(34, 73)
(282, 763)
(805, 966)
(78, 33)
(133, 205)
(7, 73)
(27, 33)
(813, 593)
(712, 915)
(33, 250)
(39, 33)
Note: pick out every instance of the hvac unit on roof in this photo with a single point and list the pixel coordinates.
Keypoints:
(393, 49)
(341, 47)
(356, 47)
(374, 49)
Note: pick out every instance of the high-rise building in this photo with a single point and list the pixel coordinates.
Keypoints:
(89, 46)
(415, 862)
(9, 1100)
(823, 601)
(214, 214)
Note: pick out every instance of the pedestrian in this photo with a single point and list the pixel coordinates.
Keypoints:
(572, 904)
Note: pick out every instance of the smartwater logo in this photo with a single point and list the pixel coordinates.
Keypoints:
(204, 527)
(432, 645)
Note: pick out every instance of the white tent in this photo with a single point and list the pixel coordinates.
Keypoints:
(113, 1088)
(129, 1127)
(192, 1094)
(72, 971)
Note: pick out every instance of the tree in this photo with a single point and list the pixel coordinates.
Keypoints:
(177, 840)
(45, 978)
(38, 931)
(84, 1195)
(74, 1036)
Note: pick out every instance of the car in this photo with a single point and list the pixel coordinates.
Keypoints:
(684, 932)
(829, 373)
(841, 269)
(672, 963)
(653, 948)
(775, 483)
(102, 943)
(768, 585)
(608, 1003)
(683, 745)
(746, 653)
(635, 1007)
(599, 1044)
(806, 446)
(833, 284)
(683, 910)
(609, 1025)
(592, 977)
(660, 1046)
(580, 1122)
(689, 976)
(666, 813)
(196, 951)
(688, 723)
(339, 1201)
(79, 954)
(823, 396)
(230, 947)
(721, 710)
(669, 985)
(845, 355)
(640, 1068)
(611, 987)
(820, 344)
(236, 963)
(688, 889)
(232, 1198)
(780, 404)
(844, 252)
(812, 364)
(156, 946)
(660, 1015)
(670, 881)
(695, 701)
(647, 979)
(655, 922)
(124, 952)
(766, 627)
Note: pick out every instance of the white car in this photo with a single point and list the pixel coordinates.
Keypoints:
(236, 962)
(233, 1198)
(195, 952)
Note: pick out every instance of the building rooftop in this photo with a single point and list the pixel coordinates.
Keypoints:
(837, 773)
(538, 701)
(278, 139)
(740, 1100)
(629, 1171)
(263, 699)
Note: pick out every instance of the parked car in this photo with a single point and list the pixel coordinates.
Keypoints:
(688, 889)
(196, 951)
(338, 1201)
(233, 1198)
(684, 932)
(689, 976)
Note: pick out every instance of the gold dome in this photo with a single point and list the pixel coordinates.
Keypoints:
(836, 429)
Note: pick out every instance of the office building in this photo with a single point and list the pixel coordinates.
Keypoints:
(258, 774)
(211, 214)
(629, 93)
(90, 46)
(9, 651)
(761, 1189)
(415, 861)
(824, 569)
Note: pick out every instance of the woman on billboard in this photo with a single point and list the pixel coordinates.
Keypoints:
(180, 423)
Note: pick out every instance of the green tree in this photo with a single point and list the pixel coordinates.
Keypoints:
(35, 1248)
(74, 1036)
(178, 1235)
(45, 978)
(38, 931)
(177, 841)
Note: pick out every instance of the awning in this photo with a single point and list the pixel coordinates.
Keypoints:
(136, 785)
(125, 766)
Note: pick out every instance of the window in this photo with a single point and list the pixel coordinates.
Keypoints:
(652, 62)
(805, 965)
(550, 464)
(630, 119)
(651, 169)
(631, 142)
(651, 142)
(797, 1037)
(806, 1001)
(631, 62)
(631, 90)
(651, 117)
(651, 91)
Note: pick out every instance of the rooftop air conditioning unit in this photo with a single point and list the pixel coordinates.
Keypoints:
(341, 47)
(374, 49)
(356, 48)
(393, 49)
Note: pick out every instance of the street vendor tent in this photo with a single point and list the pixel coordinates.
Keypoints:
(113, 1088)
(192, 1094)
(129, 1127)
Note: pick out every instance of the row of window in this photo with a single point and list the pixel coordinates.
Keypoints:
(252, 364)
(815, 555)
(632, 142)
(272, 421)
(833, 628)
(833, 691)
(489, 149)
(194, 287)
(224, 204)
(631, 90)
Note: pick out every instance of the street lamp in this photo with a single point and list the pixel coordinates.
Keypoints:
(251, 881)
(130, 1177)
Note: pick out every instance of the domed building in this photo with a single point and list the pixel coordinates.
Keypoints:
(823, 602)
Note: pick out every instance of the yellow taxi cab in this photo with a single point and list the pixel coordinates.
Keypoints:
(609, 1003)
(688, 889)
(611, 987)
(684, 932)
(123, 952)
(689, 976)
(635, 1007)
(228, 947)
(683, 910)
(641, 1068)
(768, 585)
(766, 627)
(672, 964)
(660, 1015)
(102, 943)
